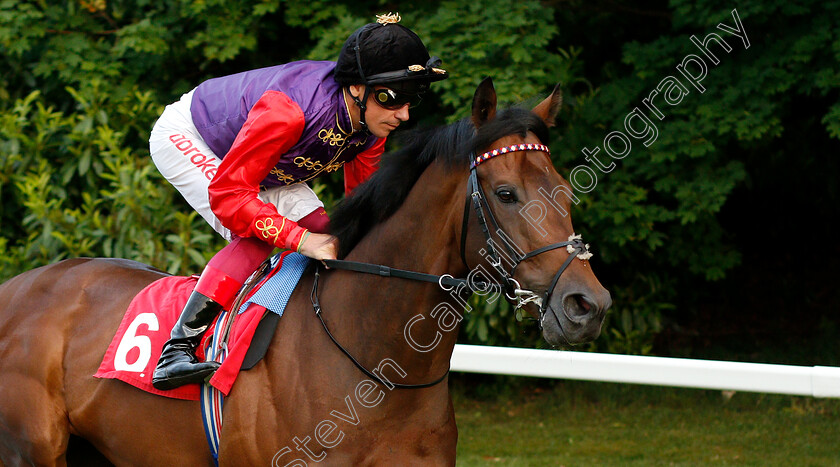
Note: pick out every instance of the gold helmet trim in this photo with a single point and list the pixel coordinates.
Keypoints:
(390, 18)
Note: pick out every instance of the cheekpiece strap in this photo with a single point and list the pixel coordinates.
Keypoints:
(516, 147)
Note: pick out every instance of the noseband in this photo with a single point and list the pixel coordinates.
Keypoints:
(513, 291)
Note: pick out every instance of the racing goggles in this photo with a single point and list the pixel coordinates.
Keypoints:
(393, 100)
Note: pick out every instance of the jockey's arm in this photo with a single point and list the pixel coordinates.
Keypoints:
(363, 166)
(274, 124)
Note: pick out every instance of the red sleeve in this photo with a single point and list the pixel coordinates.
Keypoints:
(273, 126)
(359, 169)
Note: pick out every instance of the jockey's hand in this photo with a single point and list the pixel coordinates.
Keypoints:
(320, 246)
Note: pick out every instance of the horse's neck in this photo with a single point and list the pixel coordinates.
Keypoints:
(421, 236)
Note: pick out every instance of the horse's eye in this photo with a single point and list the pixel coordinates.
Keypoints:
(506, 195)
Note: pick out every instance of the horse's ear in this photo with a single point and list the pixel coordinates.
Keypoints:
(484, 103)
(547, 109)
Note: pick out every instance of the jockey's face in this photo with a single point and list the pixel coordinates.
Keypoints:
(381, 121)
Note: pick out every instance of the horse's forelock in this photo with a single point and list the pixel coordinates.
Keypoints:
(515, 120)
(379, 197)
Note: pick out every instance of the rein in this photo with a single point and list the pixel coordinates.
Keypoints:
(317, 306)
(385, 271)
(513, 290)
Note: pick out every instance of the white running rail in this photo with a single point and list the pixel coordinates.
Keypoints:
(816, 381)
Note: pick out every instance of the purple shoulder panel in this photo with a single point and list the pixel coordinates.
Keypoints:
(220, 107)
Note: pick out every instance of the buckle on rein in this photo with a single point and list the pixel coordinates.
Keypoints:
(522, 297)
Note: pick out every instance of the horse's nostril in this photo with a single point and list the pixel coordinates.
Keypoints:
(576, 306)
(583, 303)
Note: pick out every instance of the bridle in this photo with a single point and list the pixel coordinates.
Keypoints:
(513, 290)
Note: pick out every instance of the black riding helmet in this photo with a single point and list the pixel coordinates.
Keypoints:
(386, 53)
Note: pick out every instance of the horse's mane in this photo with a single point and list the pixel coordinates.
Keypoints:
(380, 196)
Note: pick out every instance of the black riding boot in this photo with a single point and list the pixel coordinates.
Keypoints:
(178, 364)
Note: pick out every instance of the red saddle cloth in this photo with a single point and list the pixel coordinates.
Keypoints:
(137, 345)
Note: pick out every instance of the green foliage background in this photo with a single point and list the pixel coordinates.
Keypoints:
(739, 182)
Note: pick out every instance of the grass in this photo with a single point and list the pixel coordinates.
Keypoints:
(532, 422)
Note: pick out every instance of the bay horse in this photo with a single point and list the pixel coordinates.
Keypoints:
(306, 401)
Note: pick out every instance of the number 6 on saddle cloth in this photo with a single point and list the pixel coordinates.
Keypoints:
(133, 352)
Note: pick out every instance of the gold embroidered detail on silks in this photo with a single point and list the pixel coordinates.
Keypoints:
(331, 137)
(333, 166)
(327, 135)
(390, 18)
(337, 139)
(268, 230)
(349, 115)
(415, 68)
(439, 71)
(307, 163)
(282, 176)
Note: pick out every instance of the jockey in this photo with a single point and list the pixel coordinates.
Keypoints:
(241, 148)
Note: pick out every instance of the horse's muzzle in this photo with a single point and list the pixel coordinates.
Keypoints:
(575, 318)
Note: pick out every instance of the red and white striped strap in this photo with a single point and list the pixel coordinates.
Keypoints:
(507, 149)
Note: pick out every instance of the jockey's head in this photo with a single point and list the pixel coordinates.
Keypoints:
(388, 61)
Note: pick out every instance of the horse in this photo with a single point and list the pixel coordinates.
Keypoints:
(306, 401)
